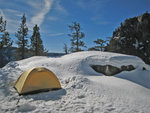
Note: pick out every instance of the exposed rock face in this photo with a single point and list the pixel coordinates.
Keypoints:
(133, 37)
(127, 68)
(110, 70)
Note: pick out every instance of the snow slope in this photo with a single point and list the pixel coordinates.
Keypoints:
(84, 90)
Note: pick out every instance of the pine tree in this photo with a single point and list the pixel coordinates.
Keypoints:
(100, 45)
(5, 43)
(22, 38)
(2, 24)
(65, 49)
(37, 48)
(77, 36)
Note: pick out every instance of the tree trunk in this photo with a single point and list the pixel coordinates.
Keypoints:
(77, 43)
(36, 49)
(23, 48)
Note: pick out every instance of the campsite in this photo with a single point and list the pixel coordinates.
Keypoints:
(83, 89)
(36, 79)
(74, 56)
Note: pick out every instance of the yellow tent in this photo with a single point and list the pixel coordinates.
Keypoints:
(35, 80)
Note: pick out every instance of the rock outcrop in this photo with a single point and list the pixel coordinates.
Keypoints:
(132, 37)
(110, 70)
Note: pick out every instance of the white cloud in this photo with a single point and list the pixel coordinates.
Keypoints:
(58, 11)
(96, 7)
(60, 8)
(56, 34)
(39, 17)
(14, 12)
(36, 15)
(12, 21)
(52, 18)
(34, 4)
(2, 14)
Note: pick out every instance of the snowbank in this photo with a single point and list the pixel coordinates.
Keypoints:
(84, 90)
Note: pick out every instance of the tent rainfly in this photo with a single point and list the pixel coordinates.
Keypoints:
(36, 80)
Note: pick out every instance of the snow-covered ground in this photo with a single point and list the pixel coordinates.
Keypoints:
(84, 90)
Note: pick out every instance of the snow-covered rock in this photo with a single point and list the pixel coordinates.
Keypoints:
(84, 90)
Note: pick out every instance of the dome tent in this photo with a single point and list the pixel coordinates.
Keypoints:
(36, 80)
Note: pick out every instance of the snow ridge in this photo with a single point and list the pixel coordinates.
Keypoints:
(83, 89)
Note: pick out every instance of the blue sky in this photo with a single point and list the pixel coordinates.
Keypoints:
(98, 18)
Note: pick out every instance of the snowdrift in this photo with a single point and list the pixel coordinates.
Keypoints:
(84, 89)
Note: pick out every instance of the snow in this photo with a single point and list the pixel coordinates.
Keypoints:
(116, 37)
(136, 45)
(83, 89)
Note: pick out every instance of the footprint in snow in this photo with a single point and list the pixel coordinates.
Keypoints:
(26, 108)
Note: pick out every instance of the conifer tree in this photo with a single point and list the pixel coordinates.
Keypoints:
(5, 43)
(100, 45)
(2, 24)
(37, 48)
(65, 48)
(76, 36)
(22, 41)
